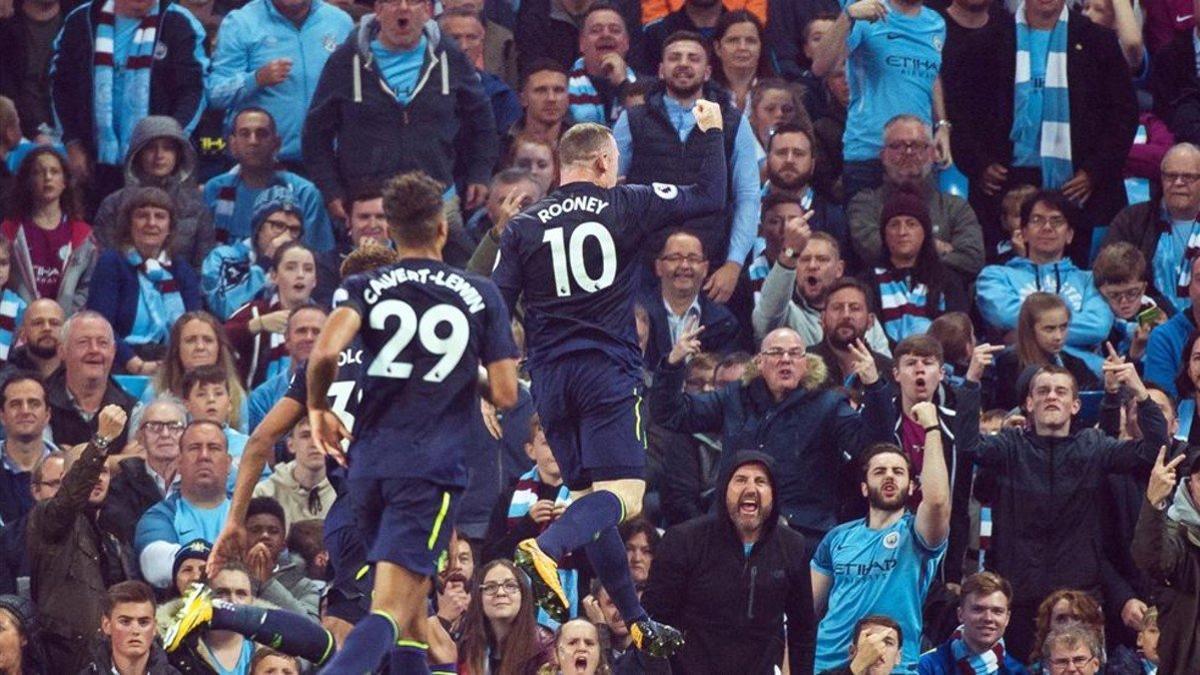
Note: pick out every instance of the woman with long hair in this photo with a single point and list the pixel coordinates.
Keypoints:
(1187, 383)
(1061, 608)
(198, 339)
(741, 58)
(911, 286)
(501, 636)
(1041, 338)
(774, 102)
(53, 251)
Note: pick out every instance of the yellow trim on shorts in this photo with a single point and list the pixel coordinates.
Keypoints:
(639, 427)
(437, 522)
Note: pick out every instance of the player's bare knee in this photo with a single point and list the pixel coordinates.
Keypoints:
(629, 491)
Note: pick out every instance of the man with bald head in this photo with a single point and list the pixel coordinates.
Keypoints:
(40, 332)
(784, 412)
(145, 480)
(1164, 229)
(196, 511)
(84, 384)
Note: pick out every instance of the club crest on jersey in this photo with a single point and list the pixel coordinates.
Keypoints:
(892, 540)
(665, 190)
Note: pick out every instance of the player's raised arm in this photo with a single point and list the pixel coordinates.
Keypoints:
(327, 429)
(665, 205)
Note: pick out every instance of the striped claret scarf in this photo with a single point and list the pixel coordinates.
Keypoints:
(134, 99)
(525, 495)
(584, 101)
(976, 664)
(1050, 107)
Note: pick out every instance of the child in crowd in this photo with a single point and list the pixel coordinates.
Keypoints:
(992, 421)
(267, 661)
(1041, 336)
(1010, 223)
(1119, 273)
(956, 334)
(1147, 641)
(206, 395)
(12, 306)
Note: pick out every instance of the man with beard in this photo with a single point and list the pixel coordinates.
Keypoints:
(785, 412)
(908, 157)
(703, 568)
(791, 160)
(681, 268)
(794, 292)
(978, 645)
(657, 145)
(845, 320)
(1049, 479)
(73, 560)
(884, 563)
(40, 332)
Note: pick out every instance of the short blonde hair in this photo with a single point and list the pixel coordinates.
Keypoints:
(583, 142)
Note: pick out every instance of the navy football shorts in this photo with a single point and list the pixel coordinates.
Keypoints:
(405, 521)
(592, 412)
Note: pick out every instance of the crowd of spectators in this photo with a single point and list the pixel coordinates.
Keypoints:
(922, 396)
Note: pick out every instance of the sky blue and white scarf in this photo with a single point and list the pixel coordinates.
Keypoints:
(134, 99)
(1051, 104)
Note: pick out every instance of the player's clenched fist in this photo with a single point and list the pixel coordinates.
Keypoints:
(708, 115)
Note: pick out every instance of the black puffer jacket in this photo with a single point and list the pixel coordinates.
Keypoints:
(731, 605)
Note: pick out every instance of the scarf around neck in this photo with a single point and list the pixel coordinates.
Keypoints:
(134, 99)
(967, 662)
(1042, 117)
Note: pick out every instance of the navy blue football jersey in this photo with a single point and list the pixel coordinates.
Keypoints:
(426, 329)
(573, 258)
(344, 392)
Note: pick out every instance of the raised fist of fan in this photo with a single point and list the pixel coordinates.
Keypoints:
(708, 115)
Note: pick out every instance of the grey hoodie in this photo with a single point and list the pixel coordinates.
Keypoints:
(193, 235)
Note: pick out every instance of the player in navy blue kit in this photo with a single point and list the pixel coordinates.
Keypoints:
(344, 395)
(295, 634)
(573, 260)
(426, 328)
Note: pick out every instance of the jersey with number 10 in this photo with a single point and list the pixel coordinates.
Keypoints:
(426, 327)
(574, 258)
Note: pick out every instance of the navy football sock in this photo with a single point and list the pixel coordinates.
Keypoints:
(365, 646)
(444, 669)
(409, 657)
(607, 555)
(580, 523)
(289, 633)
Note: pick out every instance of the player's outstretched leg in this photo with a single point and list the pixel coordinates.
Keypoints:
(579, 524)
(398, 604)
(409, 657)
(607, 555)
(287, 632)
